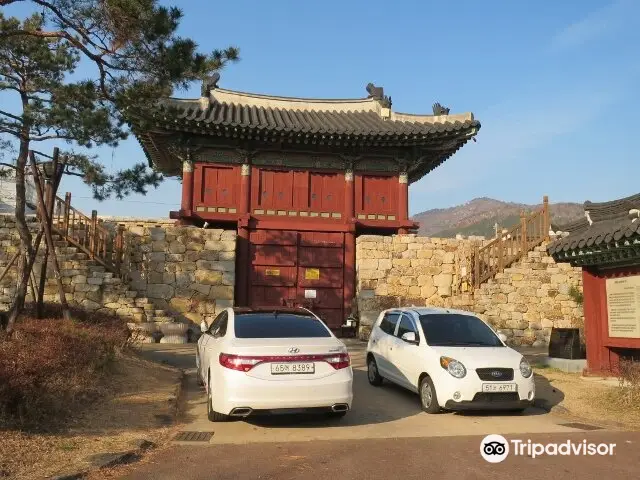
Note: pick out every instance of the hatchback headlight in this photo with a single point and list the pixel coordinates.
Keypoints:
(453, 366)
(525, 368)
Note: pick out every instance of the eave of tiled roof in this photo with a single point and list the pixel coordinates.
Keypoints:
(359, 123)
(609, 233)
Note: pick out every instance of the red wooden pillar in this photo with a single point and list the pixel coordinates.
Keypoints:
(349, 243)
(595, 323)
(245, 189)
(243, 246)
(187, 187)
(403, 200)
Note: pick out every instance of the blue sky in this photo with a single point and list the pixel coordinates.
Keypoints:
(555, 85)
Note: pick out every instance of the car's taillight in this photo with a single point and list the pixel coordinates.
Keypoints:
(246, 363)
(237, 362)
(338, 361)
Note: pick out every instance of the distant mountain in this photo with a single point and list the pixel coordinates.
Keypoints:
(479, 216)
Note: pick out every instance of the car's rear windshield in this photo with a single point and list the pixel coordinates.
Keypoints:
(457, 330)
(278, 325)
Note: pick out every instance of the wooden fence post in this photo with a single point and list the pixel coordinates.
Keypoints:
(44, 219)
(119, 247)
(546, 223)
(500, 254)
(67, 207)
(93, 233)
(476, 265)
(523, 232)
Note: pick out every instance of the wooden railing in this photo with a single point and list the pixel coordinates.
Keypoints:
(88, 234)
(511, 245)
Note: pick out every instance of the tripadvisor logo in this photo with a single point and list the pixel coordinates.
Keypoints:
(496, 448)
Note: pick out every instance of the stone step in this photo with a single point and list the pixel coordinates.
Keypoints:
(101, 274)
(66, 250)
(163, 319)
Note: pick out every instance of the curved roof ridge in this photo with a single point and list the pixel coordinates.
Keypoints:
(612, 209)
(233, 97)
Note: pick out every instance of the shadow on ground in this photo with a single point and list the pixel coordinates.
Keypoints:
(371, 405)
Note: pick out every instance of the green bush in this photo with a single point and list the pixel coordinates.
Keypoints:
(576, 294)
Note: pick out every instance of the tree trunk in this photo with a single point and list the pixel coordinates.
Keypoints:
(27, 255)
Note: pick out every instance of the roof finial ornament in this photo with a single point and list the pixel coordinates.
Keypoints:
(209, 83)
(377, 93)
(440, 110)
(586, 214)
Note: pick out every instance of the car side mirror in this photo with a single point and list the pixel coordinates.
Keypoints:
(409, 337)
(203, 327)
(502, 337)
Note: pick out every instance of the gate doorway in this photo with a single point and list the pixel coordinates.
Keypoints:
(299, 269)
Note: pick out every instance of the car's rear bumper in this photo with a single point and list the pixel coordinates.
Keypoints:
(241, 391)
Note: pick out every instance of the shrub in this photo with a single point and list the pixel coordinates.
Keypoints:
(576, 294)
(629, 386)
(52, 367)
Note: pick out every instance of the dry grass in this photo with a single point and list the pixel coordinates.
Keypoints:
(591, 399)
(138, 408)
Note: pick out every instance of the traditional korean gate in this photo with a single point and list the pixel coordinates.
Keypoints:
(299, 268)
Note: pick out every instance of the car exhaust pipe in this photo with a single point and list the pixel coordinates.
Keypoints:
(340, 407)
(241, 412)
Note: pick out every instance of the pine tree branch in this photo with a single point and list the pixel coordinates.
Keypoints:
(99, 60)
(42, 138)
(11, 115)
(67, 23)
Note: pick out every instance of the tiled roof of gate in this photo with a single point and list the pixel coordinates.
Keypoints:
(610, 222)
(357, 126)
(360, 117)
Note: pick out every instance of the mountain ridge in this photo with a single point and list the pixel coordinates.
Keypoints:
(479, 216)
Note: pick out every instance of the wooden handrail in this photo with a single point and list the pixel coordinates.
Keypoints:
(511, 245)
(87, 234)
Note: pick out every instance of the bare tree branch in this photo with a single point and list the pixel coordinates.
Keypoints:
(11, 115)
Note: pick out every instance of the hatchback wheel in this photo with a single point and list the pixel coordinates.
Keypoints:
(211, 414)
(372, 373)
(428, 397)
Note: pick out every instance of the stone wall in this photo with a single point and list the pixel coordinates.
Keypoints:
(409, 269)
(524, 302)
(188, 271)
(530, 297)
(171, 273)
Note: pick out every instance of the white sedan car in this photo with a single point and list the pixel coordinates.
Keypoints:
(451, 358)
(272, 360)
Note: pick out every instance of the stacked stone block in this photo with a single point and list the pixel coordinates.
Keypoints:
(171, 274)
(524, 301)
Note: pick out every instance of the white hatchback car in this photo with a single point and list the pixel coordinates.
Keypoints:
(272, 360)
(451, 358)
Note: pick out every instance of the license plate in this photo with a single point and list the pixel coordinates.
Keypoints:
(288, 368)
(499, 387)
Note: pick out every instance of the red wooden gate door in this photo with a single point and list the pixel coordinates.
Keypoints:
(302, 268)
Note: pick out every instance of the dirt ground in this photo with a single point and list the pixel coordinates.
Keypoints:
(143, 406)
(589, 399)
